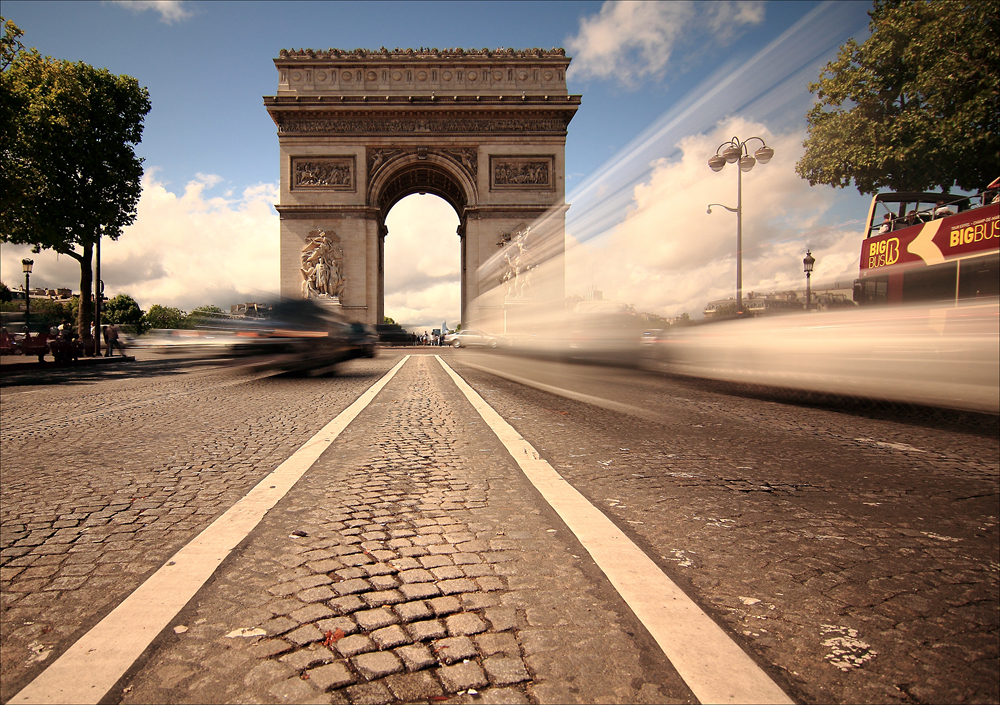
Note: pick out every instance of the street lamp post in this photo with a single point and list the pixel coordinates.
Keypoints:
(728, 153)
(807, 267)
(26, 266)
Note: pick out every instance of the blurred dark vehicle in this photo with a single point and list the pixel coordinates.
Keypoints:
(364, 337)
(300, 335)
(475, 339)
(393, 334)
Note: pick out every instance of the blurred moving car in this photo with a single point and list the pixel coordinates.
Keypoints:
(474, 339)
(393, 334)
(607, 332)
(364, 337)
(300, 335)
(940, 355)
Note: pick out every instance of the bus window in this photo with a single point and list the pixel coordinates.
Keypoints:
(876, 290)
(979, 277)
(930, 283)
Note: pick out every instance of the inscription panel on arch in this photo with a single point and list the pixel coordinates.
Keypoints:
(323, 173)
(528, 172)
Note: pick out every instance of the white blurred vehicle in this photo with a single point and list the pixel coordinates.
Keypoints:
(474, 339)
(946, 356)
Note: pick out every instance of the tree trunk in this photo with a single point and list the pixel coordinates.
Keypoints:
(86, 287)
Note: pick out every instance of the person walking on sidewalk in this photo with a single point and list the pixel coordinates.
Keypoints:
(111, 338)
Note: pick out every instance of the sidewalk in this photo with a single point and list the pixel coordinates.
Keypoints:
(412, 562)
(18, 363)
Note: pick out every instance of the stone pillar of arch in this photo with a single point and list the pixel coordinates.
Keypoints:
(484, 130)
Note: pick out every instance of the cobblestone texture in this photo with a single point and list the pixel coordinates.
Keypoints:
(102, 482)
(412, 485)
(857, 555)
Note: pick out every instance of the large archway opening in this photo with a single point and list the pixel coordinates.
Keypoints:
(422, 263)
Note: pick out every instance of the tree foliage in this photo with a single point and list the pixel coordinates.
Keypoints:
(203, 315)
(5, 293)
(913, 107)
(122, 309)
(166, 317)
(69, 173)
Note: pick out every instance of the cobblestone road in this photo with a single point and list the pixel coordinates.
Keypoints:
(411, 563)
(858, 555)
(855, 559)
(102, 482)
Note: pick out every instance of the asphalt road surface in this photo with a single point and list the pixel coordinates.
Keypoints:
(850, 552)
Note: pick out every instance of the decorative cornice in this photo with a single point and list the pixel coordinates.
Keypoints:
(313, 211)
(421, 53)
(299, 123)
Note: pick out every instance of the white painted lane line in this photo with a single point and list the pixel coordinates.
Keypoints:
(713, 665)
(570, 394)
(91, 666)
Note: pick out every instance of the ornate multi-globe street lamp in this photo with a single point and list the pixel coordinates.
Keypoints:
(729, 153)
(26, 266)
(807, 267)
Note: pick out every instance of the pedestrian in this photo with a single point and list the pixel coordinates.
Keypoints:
(111, 337)
(941, 210)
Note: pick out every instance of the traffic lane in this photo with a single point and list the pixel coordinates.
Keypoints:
(865, 572)
(104, 479)
(963, 440)
(415, 518)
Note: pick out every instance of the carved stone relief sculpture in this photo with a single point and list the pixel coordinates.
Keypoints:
(322, 266)
(521, 173)
(468, 158)
(378, 157)
(326, 173)
(518, 265)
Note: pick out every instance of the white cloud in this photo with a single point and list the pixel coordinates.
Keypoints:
(629, 41)
(669, 256)
(183, 250)
(170, 10)
(195, 248)
(422, 264)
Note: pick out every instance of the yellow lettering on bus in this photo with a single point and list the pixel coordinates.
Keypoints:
(892, 245)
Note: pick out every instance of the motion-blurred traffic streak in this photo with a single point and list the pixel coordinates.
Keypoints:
(944, 356)
(299, 336)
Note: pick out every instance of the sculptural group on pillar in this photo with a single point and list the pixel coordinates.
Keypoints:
(516, 278)
(322, 266)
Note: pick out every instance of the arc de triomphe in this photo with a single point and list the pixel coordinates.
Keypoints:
(360, 130)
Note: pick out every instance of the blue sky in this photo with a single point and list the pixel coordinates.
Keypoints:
(646, 72)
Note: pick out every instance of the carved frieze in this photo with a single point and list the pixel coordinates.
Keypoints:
(288, 125)
(534, 172)
(419, 53)
(323, 173)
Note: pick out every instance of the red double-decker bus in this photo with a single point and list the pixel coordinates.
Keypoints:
(929, 247)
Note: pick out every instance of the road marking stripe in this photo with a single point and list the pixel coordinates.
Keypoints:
(92, 666)
(570, 394)
(713, 665)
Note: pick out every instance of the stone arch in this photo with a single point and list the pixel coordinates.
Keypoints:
(351, 149)
(414, 173)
